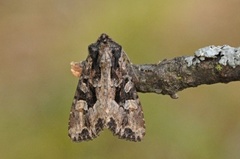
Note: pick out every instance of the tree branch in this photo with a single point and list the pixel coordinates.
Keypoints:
(209, 65)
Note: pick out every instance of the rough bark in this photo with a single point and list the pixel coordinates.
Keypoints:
(209, 65)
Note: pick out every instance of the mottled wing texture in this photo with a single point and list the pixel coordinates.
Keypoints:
(106, 96)
(82, 122)
(127, 121)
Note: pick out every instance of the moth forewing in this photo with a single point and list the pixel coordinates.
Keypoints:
(106, 95)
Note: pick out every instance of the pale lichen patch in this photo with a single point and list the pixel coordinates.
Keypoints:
(227, 55)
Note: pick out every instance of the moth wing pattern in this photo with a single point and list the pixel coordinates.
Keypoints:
(81, 123)
(105, 96)
(127, 121)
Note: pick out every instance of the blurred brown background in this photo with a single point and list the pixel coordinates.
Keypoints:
(38, 40)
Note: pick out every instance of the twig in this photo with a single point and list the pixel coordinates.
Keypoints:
(209, 65)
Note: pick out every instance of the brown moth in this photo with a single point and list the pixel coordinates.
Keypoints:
(106, 96)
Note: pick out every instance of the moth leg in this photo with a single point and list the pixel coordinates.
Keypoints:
(76, 68)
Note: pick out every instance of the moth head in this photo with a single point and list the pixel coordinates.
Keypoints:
(105, 51)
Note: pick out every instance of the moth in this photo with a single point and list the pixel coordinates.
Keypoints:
(105, 96)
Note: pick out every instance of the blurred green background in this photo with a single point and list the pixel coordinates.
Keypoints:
(38, 40)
